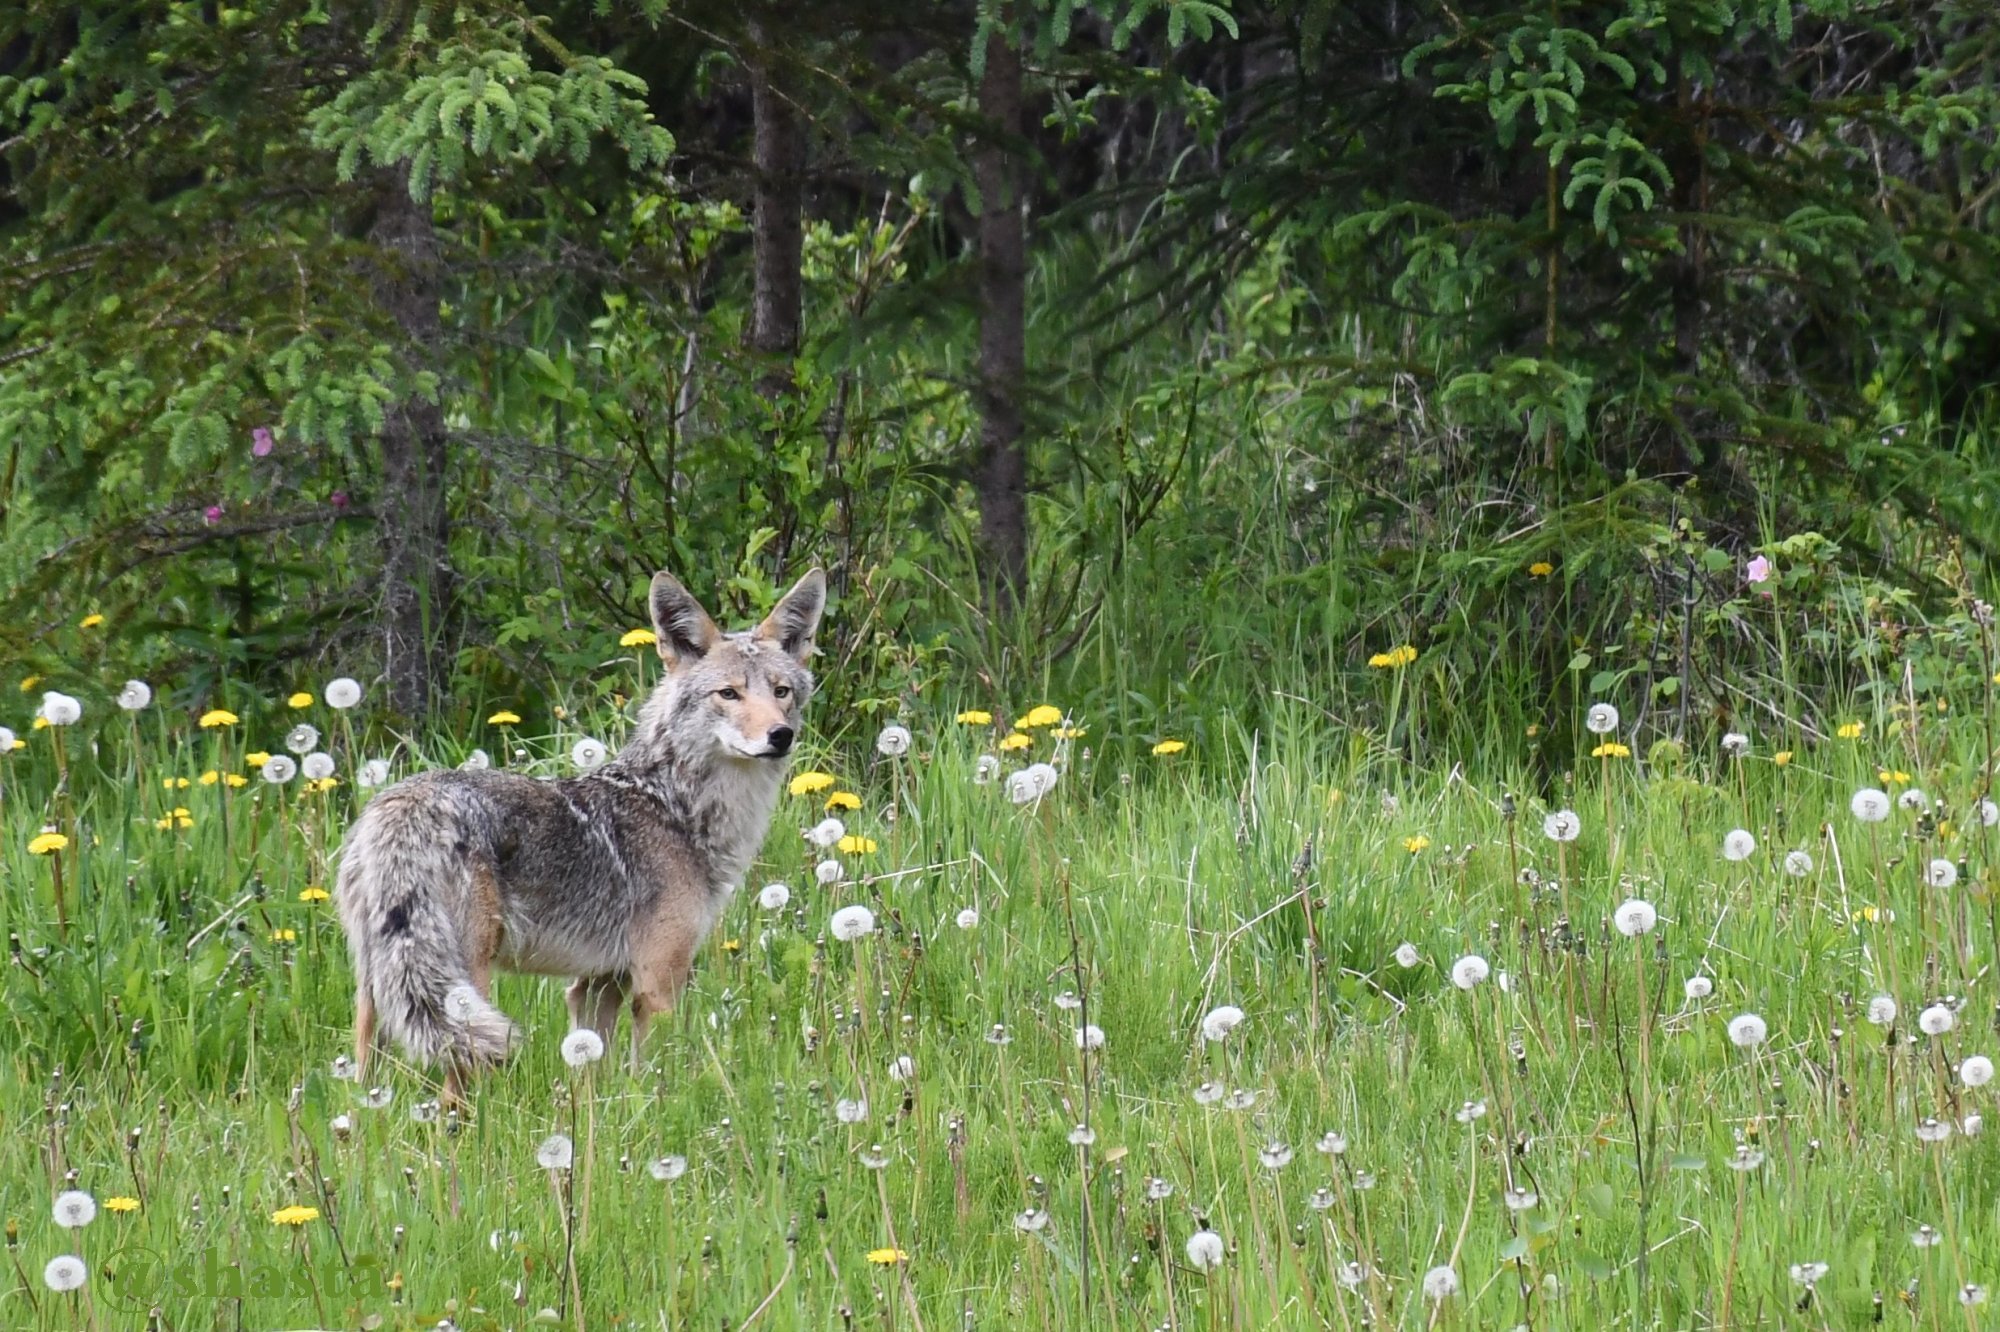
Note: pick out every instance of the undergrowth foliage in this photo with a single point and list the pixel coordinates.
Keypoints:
(1027, 1017)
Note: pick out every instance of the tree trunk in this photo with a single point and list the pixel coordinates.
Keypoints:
(776, 231)
(412, 516)
(1002, 479)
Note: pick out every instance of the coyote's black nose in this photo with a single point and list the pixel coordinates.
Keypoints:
(780, 740)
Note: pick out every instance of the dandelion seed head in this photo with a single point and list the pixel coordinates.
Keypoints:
(1941, 873)
(902, 1068)
(1807, 1274)
(1936, 1020)
(1735, 744)
(1882, 1010)
(1090, 1036)
(1562, 826)
(317, 766)
(851, 923)
(1519, 1199)
(1698, 987)
(556, 1152)
(1747, 1031)
(59, 709)
(1406, 955)
(1440, 1283)
(342, 693)
(1031, 1220)
(1926, 1237)
(1210, 1093)
(65, 1273)
(850, 1109)
(1274, 1155)
(588, 753)
(135, 695)
(1602, 719)
(1798, 864)
(582, 1047)
(1469, 971)
(1220, 1021)
(1157, 1189)
(827, 872)
(1205, 1251)
(1913, 800)
(1634, 917)
(1332, 1143)
(1933, 1129)
(75, 1208)
(279, 769)
(1738, 844)
(1869, 805)
(774, 897)
(667, 1169)
(985, 769)
(1082, 1136)
(1976, 1071)
(893, 741)
(967, 918)
(373, 773)
(827, 832)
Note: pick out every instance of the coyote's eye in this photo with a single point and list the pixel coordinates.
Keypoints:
(783, 691)
(729, 694)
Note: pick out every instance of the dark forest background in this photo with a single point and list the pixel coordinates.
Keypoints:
(1153, 354)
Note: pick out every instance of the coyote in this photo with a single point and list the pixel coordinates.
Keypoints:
(613, 877)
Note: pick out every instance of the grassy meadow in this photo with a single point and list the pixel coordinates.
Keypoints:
(1286, 1026)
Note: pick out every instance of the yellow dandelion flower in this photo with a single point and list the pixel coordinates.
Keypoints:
(975, 717)
(1874, 915)
(1166, 747)
(174, 783)
(504, 718)
(1541, 569)
(1782, 757)
(90, 621)
(732, 945)
(638, 638)
(211, 777)
(314, 893)
(1534, 729)
(1611, 749)
(843, 800)
(256, 758)
(180, 819)
(19, 743)
(1416, 844)
(121, 1204)
(887, 1257)
(299, 700)
(294, 1215)
(216, 717)
(1070, 732)
(43, 843)
(1042, 714)
(1015, 740)
(320, 785)
(1891, 777)
(234, 780)
(41, 724)
(284, 936)
(1850, 730)
(28, 685)
(808, 782)
(1394, 659)
(852, 845)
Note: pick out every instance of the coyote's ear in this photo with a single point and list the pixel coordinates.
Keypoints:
(680, 624)
(793, 620)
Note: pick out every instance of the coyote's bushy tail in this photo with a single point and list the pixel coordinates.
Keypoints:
(407, 897)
